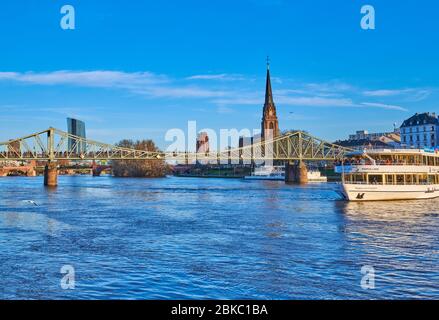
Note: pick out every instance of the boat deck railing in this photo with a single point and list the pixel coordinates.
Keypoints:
(389, 184)
(383, 163)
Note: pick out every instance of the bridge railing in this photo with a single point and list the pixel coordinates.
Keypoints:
(53, 144)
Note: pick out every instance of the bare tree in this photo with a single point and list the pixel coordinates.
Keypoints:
(139, 168)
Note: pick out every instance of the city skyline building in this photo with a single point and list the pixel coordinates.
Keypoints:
(372, 140)
(77, 128)
(364, 134)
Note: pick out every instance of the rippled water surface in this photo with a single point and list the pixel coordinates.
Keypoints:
(179, 238)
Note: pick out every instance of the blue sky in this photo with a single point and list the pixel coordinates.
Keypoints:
(134, 69)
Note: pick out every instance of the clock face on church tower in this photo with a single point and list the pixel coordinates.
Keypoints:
(270, 111)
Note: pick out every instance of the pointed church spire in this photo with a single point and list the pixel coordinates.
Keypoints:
(270, 124)
(268, 91)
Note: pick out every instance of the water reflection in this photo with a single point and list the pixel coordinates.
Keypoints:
(403, 211)
(32, 221)
(410, 226)
(397, 238)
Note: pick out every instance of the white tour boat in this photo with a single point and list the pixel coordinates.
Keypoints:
(276, 173)
(316, 176)
(390, 174)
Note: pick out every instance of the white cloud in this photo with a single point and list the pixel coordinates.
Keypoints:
(99, 78)
(383, 106)
(222, 77)
(276, 80)
(144, 83)
(240, 100)
(180, 92)
(10, 107)
(412, 94)
(315, 101)
(384, 92)
(331, 86)
(8, 75)
(333, 93)
(287, 97)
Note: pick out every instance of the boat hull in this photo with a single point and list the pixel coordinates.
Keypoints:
(264, 178)
(356, 192)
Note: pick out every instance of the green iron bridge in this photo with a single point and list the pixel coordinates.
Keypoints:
(54, 145)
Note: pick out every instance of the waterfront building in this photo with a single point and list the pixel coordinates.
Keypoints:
(77, 128)
(269, 124)
(364, 140)
(364, 134)
(420, 131)
(203, 143)
(362, 144)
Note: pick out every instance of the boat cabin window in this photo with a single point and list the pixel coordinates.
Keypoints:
(400, 179)
(392, 179)
(422, 179)
(376, 179)
(429, 161)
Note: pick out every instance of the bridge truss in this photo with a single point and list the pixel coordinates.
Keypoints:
(53, 144)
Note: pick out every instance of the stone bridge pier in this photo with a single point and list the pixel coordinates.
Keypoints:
(96, 171)
(51, 174)
(296, 172)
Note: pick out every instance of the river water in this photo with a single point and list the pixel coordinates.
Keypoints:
(189, 238)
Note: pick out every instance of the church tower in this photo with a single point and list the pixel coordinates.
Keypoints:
(270, 125)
